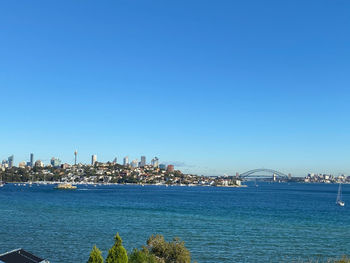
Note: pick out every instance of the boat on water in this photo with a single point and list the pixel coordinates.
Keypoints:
(65, 186)
(339, 200)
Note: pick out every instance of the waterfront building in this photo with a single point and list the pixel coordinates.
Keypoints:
(10, 161)
(55, 162)
(170, 168)
(126, 161)
(93, 159)
(143, 161)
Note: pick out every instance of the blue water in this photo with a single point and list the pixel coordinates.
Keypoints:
(271, 223)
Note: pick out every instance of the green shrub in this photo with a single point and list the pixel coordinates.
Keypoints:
(117, 253)
(143, 256)
(95, 256)
(170, 252)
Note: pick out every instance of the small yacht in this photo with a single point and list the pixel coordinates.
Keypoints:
(339, 201)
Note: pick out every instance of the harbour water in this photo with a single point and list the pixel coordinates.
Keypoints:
(269, 223)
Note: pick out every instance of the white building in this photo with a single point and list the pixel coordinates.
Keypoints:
(155, 162)
(22, 165)
(93, 159)
(126, 161)
(39, 163)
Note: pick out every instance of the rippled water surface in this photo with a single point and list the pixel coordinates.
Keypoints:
(270, 223)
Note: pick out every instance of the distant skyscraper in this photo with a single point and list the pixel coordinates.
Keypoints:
(143, 161)
(126, 161)
(75, 157)
(115, 160)
(55, 162)
(93, 159)
(31, 160)
(155, 162)
(135, 163)
(10, 161)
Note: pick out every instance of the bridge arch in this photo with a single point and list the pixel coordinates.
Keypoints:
(251, 172)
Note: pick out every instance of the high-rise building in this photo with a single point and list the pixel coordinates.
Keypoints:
(10, 161)
(31, 160)
(162, 166)
(135, 163)
(126, 161)
(115, 160)
(155, 162)
(55, 162)
(143, 161)
(93, 159)
(75, 157)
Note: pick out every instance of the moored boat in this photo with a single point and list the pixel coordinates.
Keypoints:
(65, 186)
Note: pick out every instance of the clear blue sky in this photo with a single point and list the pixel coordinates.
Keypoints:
(213, 86)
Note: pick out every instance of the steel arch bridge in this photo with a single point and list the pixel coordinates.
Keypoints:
(249, 173)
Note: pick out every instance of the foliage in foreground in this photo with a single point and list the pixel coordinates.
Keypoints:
(95, 256)
(174, 251)
(158, 250)
(344, 259)
(117, 253)
(143, 256)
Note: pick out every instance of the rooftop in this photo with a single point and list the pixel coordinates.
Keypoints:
(20, 256)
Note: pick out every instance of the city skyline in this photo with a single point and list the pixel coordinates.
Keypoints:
(30, 162)
(132, 162)
(215, 87)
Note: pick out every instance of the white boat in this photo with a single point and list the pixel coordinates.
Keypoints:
(339, 200)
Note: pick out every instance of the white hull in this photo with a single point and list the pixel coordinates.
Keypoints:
(340, 203)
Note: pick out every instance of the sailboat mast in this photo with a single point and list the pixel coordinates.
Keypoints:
(339, 193)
